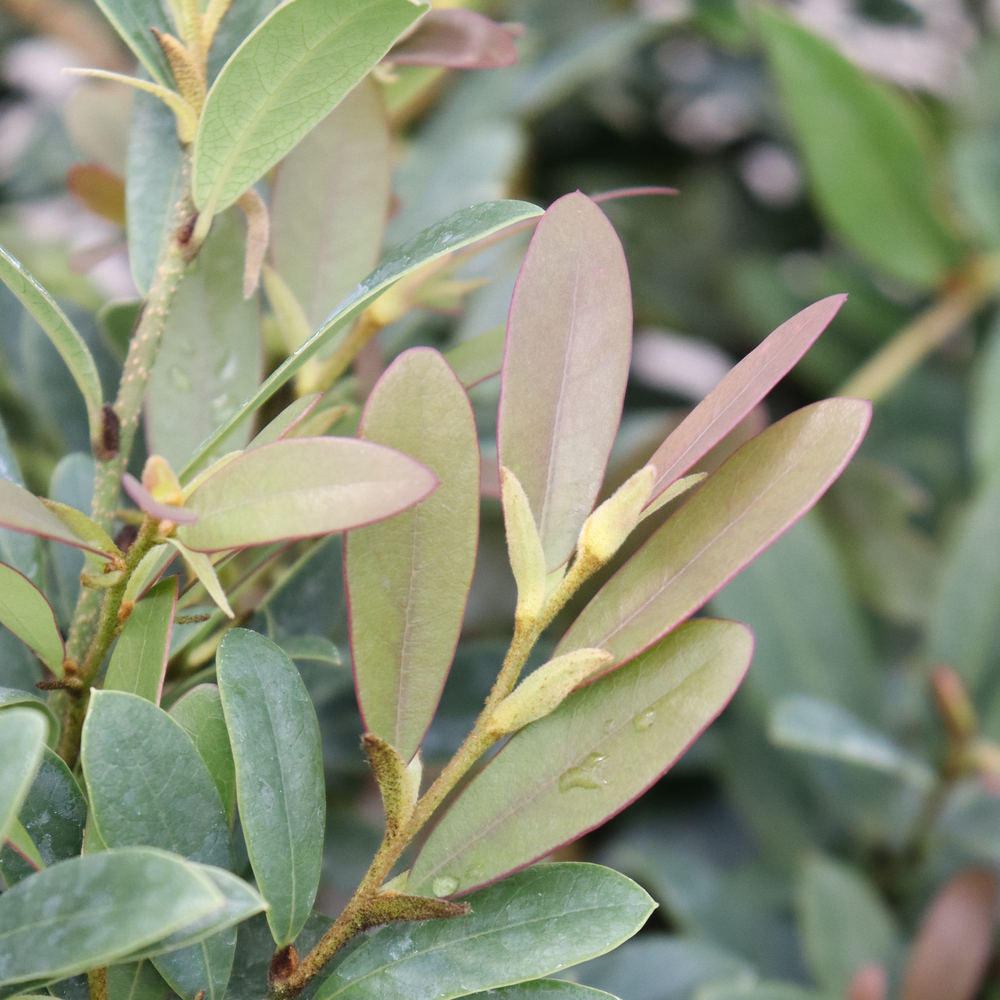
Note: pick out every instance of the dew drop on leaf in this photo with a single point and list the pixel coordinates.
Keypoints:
(444, 886)
(644, 720)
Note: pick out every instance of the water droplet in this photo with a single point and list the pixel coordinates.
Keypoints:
(221, 409)
(583, 775)
(180, 379)
(593, 759)
(227, 369)
(609, 724)
(444, 886)
(644, 720)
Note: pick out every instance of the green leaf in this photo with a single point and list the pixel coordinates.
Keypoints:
(975, 169)
(72, 485)
(408, 577)
(286, 421)
(984, 429)
(53, 815)
(569, 340)
(22, 744)
(132, 19)
(153, 176)
(448, 236)
(479, 358)
(760, 991)
(23, 511)
(302, 487)
(24, 610)
(330, 202)
(91, 910)
(199, 714)
(16, 549)
(291, 72)
(139, 661)
(530, 925)
(22, 847)
(602, 748)
(279, 774)
(117, 321)
(751, 500)
(204, 966)
(843, 923)
(147, 783)
(238, 22)
(135, 981)
(544, 989)
(61, 332)
(867, 152)
(211, 354)
(10, 697)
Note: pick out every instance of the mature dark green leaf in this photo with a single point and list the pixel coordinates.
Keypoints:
(602, 748)
(751, 500)
(330, 202)
(260, 105)
(201, 968)
(279, 774)
(10, 697)
(91, 910)
(975, 162)
(569, 339)
(16, 549)
(448, 236)
(302, 487)
(867, 150)
(211, 355)
(22, 744)
(984, 429)
(408, 578)
(135, 981)
(139, 661)
(199, 714)
(24, 610)
(132, 19)
(543, 989)
(530, 925)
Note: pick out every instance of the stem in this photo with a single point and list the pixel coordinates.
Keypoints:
(97, 980)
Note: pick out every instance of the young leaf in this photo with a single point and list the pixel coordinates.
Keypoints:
(24, 610)
(61, 332)
(524, 547)
(132, 19)
(448, 236)
(602, 748)
(78, 522)
(201, 566)
(22, 744)
(279, 774)
(479, 358)
(291, 72)
(408, 577)
(508, 938)
(569, 340)
(199, 714)
(867, 151)
(286, 421)
(91, 910)
(330, 202)
(23, 511)
(139, 661)
(302, 487)
(763, 488)
(742, 388)
(458, 39)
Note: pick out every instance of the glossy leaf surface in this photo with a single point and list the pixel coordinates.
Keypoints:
(23, 511)
(569, 340)
(604, 746)
(302, 487)
(867, 154)
(90, 910)
(296, 66)
(330, 202)
(24, 610)
(740, 391)
(751, 500)
(279, 774)
(408, 577)
(22, 744)
(132, 19)
(451, 234)
(530, 925)
(199, 714)
(139, 661)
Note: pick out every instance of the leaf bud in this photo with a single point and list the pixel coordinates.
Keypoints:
(605, 530)
(527, 560)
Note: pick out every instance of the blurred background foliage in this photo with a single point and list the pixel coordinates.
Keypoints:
(850, 796)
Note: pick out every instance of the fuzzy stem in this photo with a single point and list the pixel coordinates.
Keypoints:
(97, 980)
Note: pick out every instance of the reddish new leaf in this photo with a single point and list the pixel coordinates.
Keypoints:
(456, 39)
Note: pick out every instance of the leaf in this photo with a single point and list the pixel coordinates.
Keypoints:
(867, 152)
(90, 910)
(530, 925)
(739, 391)
(153, 178)
(147, 784)
(16, 549)
(23, 511)
(139, 661)
(201, 566)
(22, 744)
(81, 525)
(291, 72)
(843, 924)
(984, 423)
(524, 547)
(135, 981)
(132, 19)
(237, 23)
(279, 774)
(53, 815)
(199, 714)
(544, 989)
(763, 990)
(201, 969)
(286, 421)
(753, 498)
(479, 358)
(448, 236)
(458, 39)
(408, 577)
(330, 202)
(64, 336)
(211, 353)
(24, 610)
(22, 847)
(569, 339)
(302, 487)
(10, 697)
(602, 748)
(145, 501)
(99, 189)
